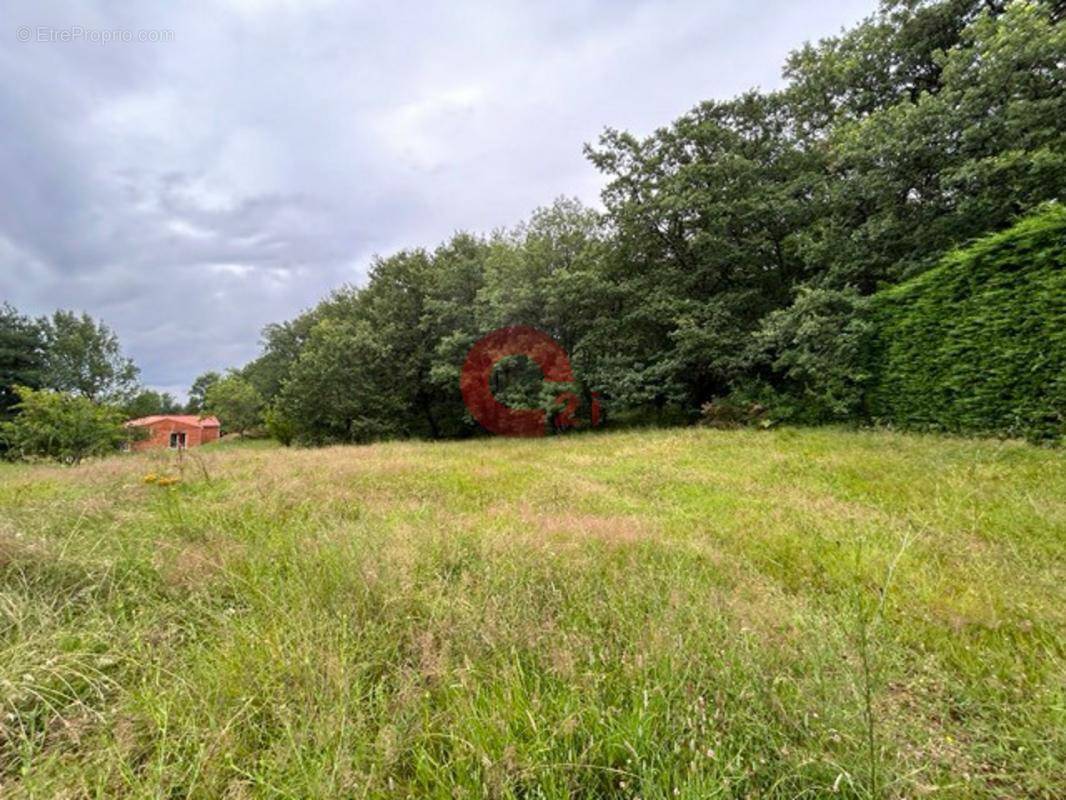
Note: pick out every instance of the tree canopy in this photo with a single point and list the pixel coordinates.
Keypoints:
(62, 426)
(737, 246)
(148, 402)
(198, 391)
(22, 356)
(83, 356)
(235, 401)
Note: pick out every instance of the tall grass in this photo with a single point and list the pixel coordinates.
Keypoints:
(651, 614)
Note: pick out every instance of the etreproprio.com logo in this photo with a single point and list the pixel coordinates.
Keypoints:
(475, 382)
(76, 33)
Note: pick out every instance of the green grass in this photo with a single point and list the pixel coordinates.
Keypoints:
(655, 614)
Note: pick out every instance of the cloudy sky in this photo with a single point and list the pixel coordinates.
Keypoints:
(251, 155)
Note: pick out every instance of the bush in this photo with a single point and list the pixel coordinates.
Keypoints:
(814, 351)
(61, 426)
(978, 344)
(279, 426)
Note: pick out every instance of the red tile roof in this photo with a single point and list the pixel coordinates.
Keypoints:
(187, 419)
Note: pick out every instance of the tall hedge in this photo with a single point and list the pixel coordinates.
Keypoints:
(978, 343)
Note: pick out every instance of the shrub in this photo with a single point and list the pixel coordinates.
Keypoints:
(814, 351)
(978, 344)
(279, 426)
(61, 426)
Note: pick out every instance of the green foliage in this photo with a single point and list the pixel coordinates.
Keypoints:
(384, 360)
(279, 427)
(83, 356)
(921, 128)
(341, 387)
(148, 402)
(978, 344)
(22, 356)
(738, 247)
(66, 353)
(61, 426)
(706, 214)
(814, 351)
(235, 402)
(198, 391)
(282, 343)
(934, 123)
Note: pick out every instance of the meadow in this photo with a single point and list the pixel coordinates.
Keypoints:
(651, 614)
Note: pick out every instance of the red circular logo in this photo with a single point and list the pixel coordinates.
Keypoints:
(546, 353)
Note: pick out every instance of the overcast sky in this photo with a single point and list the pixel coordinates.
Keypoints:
(189, 190)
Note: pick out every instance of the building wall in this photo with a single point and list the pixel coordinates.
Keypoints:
(160, 434)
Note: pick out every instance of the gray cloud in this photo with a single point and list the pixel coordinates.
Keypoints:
(190, 191)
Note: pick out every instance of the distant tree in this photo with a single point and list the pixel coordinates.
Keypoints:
(83, 356)
(706, 215)
(148, 402)
(22, 356)
(737, 247)
(61, 426)
(279, 426)
(934, 123)
(281, 344)
(342, 388)
(457, 312)
(198, 391)
(169, 404)
(235, 402)
(542, 273)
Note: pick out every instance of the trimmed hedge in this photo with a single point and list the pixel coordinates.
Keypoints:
(978, 343)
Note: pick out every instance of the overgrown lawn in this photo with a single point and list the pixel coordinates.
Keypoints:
(687, 613)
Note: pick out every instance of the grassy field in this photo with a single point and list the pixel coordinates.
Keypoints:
(659, 614)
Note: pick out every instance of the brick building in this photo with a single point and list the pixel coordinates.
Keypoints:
(176, 431)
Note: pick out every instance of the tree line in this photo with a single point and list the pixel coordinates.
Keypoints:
(733, 272)
(737, 246)
(67, 388)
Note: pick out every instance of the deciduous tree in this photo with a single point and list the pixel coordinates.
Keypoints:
(22, 356)
(83, 356)
(61, 426)
(235, 402)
